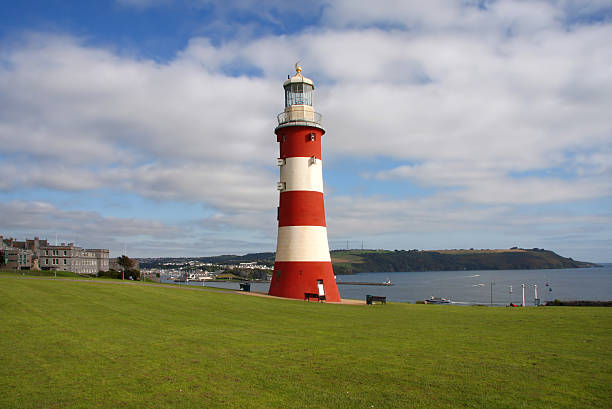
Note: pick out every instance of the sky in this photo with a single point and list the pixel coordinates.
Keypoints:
(147, 126)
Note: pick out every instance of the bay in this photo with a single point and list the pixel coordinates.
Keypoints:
(473, 287)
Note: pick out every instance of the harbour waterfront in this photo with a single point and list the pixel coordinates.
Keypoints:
(473, 287)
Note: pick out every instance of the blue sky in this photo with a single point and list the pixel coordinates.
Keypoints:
(450, 124)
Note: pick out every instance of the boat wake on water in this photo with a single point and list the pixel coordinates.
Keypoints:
(472, 276)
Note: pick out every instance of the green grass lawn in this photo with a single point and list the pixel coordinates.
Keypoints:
(41, 273)
(92, 344)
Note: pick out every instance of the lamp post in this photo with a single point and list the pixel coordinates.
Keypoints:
(510, 296)
(492, 284)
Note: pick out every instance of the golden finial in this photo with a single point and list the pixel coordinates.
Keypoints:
(298, 69)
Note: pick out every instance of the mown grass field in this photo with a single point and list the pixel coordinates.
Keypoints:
(42, 273)
(98, 344)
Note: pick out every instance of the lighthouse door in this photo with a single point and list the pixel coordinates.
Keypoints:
(321, 289)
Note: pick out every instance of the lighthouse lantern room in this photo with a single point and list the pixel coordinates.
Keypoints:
(303, 265)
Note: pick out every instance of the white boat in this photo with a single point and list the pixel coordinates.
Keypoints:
(437, 300)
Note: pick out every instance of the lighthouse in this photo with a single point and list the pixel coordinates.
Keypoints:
(303, 264)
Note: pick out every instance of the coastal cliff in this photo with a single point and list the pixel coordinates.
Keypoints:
(363, 261)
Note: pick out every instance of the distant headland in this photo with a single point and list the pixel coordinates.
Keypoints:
(365, 261)
(362, 261)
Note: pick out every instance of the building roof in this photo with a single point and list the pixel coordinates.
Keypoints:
(298, 78)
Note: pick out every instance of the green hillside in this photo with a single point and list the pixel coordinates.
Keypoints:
(104, 344)
(362, 261)
(365, 261)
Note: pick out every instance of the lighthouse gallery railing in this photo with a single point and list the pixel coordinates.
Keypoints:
(299, 116)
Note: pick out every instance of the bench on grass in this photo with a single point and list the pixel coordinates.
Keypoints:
(371, 299)
(316, 296)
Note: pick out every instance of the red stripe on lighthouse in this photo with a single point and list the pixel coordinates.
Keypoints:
(293, 279)
(296, 141)
(301, 208)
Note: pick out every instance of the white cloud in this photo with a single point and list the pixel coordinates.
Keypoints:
(360, 217)
(173, 131)
(227, 186)
(45, 217)
(442, 221)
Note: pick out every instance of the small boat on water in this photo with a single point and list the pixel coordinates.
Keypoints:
(437, 300)
(387, 282)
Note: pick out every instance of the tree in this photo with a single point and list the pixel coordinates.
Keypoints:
(127, 265)
(125, 262)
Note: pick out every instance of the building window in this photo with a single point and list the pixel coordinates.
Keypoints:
(64, 252)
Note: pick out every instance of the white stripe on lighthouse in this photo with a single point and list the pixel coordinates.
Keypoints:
(299, 173)
(302, 243)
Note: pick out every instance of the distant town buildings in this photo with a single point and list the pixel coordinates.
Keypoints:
(197, 270)
(39, 254)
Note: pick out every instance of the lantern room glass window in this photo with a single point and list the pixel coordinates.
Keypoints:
(298, 94)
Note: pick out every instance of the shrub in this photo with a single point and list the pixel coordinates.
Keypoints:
(110, 274)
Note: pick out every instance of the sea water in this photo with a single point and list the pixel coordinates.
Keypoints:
(474, 287)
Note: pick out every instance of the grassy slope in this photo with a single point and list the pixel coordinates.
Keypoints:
(88, 344)
(42, 273)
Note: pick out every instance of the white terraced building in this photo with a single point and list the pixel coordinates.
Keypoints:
(65, 256)
(72, 258)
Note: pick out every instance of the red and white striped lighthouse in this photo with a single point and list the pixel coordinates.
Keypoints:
(303, 264)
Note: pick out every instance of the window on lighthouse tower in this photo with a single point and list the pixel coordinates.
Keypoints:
(298, 93)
